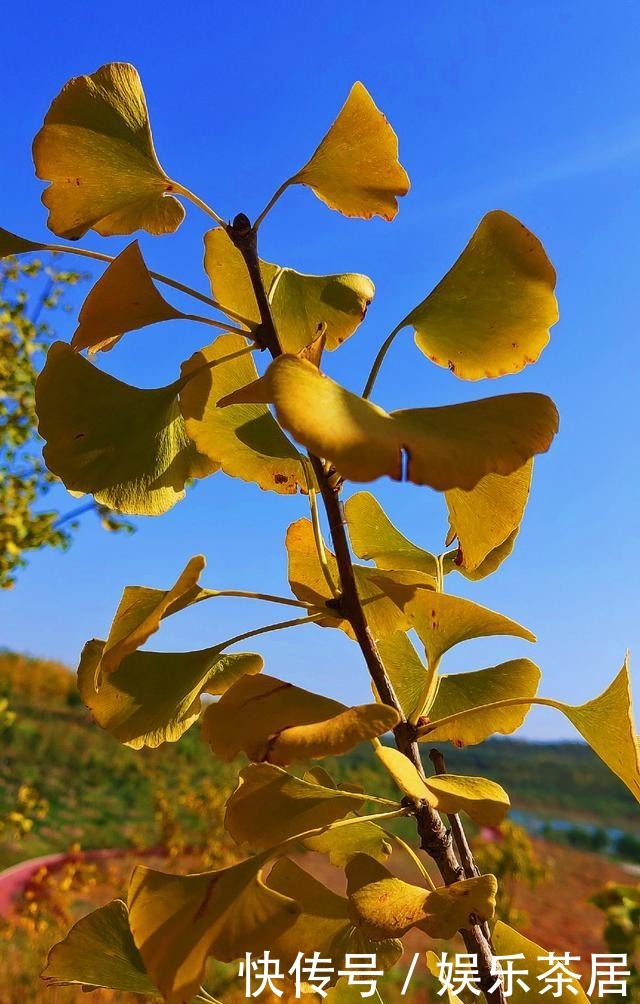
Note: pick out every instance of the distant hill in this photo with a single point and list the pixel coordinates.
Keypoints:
(101, 794)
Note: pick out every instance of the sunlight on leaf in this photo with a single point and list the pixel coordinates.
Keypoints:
(99, 951)
(448, 447)
(323, 925)
(356, 169)
(344, 843)
(269, 806)
(491, 313)
(405, 669)
(123, 299)
(95, 148)
(154, 697)
(387, 907)
(301, 305)
(126, 446)
(472, 697)
(279, 723)
(486, 517)
(374, 537)
(244, 440)
(178, 921)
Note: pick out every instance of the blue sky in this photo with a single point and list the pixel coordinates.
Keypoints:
(529, 107)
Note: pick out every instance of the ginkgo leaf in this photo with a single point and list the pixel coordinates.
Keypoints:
(178, 921)
(323, 925)
(244, 440)
(141, 610)
(270, 806)
(387, 907)
(356, 169)
(99, 951)
(486, 517)
(405, 669)
(95, 148)
(11, 244)
(302, 305)
(442, 620)
(126, 446)
(434, 968)
(343, 843)
(447, 447)
(374, 537)
(533, 961)
(279, 723)
(123, 299)
(154, 697)
(484, 801)
(491, 313)
(308, 583)
(470, 705)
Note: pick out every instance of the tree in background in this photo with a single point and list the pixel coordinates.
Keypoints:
(621, 907)
(29, 294)
(511, 857)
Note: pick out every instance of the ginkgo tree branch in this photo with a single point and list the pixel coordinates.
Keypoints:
(435, 838)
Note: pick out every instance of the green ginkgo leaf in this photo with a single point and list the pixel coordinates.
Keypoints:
(491, 313)
(126, 446)
(453, 446)
(270, 806)
(484, 519)
(375, 588)
(405, 669)
(469, 704)
(387, 907)
(244, 440)
(279, 723)
(141, 610)
(178, 921)
(99, 951)
(95, 148)
(355, 169)
(11, 244)
(324, 924)
(154, 697)
(302, 306)
(123, 299)
(534, 961)
(374, 537)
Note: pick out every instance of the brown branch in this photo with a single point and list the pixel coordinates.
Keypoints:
(435, 839)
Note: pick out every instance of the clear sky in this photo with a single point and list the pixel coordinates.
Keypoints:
(530, 107)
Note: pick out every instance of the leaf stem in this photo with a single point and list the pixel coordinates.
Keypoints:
(338, 824)
(271, 203)
(267, 597)
(379, 359)
(509, 702)
(317, 530)
(216, 324)
(279, 626)
(197, 201)
(409, 851)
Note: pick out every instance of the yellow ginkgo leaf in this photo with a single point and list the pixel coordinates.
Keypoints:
(356, 169)
(442, 620)
(95, 148)
(126, 446)
(270, 806)
(279, 723)
(308, 583)
(178, 921)
(123, 299)
(99, 951)
(154, 697)
(448, 447)
(141, 610)
(533, 961)
(324, 925)
(469, 704)
(484, 518)
(244, 440)
(11, 244)
(434, 968)
(387, 907)
(302, 306)
(375, 538)
(343, 843)
(484, 801)
(491, 313)
(405, 669)
(402, 770)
